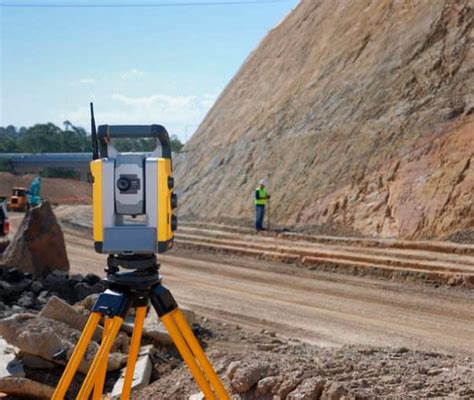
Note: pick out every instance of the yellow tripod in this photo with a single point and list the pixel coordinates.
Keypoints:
(127, 290)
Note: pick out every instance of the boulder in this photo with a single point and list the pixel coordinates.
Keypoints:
(38, 246)
(25, 388)
(47, 338)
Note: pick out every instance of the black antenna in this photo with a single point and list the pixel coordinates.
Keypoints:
(95, 146)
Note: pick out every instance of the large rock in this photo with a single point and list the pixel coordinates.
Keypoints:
(25, 388)
(360, 111)
(45, 338)
(38, 246)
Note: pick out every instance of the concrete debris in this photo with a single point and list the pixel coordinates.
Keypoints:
(38, 246)
(47, 338)
(59, 310)
(197, 396)
(141, 376)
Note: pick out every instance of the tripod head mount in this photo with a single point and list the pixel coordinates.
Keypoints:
(143, 271)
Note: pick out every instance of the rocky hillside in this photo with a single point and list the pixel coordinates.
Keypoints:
(362, 114)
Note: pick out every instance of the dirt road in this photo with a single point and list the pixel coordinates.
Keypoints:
(327, 309)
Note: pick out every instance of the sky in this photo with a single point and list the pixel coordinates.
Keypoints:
(139, 65)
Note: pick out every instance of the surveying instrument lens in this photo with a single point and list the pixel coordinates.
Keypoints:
(123, 184)
(131, 185)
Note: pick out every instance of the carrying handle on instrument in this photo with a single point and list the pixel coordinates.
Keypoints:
(158, 132)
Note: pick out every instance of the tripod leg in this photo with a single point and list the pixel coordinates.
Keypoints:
(100, 358)
(77, 356)
(100, 378)
(133, 353)
(187, 355)
(199, 354)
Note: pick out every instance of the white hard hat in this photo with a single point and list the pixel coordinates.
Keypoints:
(262, 182)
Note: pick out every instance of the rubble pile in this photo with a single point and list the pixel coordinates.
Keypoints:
(21, 292)
(40, 331)
(267, 366)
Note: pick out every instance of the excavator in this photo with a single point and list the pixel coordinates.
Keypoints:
(22, 199)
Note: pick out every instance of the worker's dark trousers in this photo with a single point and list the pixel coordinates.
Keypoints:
(259, 217)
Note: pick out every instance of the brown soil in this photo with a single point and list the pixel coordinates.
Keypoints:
(431, 261)
(55, 190)
(327, 309)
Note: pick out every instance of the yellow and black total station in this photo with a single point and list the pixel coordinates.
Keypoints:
(133, 220)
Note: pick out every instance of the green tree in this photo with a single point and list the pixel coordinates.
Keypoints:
(42, 138)
(176, 144)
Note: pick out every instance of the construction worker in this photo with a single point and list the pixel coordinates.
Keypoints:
(261, 198)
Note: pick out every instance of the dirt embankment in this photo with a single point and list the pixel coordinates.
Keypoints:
(360, 113)
(54, 190)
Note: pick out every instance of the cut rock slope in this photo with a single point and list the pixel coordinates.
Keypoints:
(362, 114)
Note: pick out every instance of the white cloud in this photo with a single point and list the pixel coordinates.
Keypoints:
(179, 114)
(133, 73)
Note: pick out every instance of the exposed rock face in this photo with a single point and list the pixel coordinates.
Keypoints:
(38, 246)
(361, 112)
